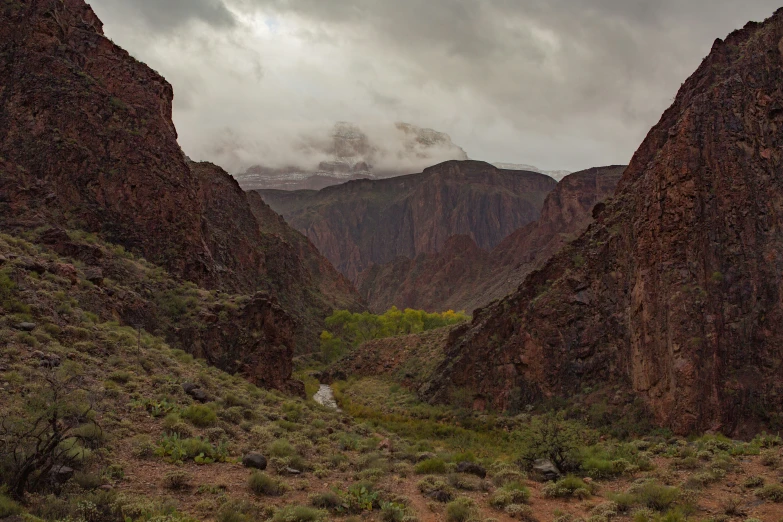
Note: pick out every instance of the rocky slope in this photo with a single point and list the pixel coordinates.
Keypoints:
(462, 276)
(87, 142)
(351, 153)
(364, 222)
(674, 294)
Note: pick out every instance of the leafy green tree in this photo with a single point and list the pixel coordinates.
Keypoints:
(554, 438)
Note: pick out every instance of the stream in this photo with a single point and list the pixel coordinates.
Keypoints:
(325, 397)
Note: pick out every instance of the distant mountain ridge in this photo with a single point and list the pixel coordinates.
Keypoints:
(462, 276)
(366, 222)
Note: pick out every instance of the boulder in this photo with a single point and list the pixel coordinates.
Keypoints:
(195, 392)
(545, 470)
(254, 461)
(94, 275)
(26, 327)
(61, 474)
(472, 468)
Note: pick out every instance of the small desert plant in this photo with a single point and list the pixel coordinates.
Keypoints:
(511, 493)
(656, 496)
(771, 492)
(460, 510)
(200, 415)
(569, 486)
(263, 485)
(299, 514)
(8, 507)
(430, 466)
(329, 500)
(753, 481)
(177, 480)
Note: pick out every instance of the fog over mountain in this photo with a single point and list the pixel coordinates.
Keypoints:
(556, 84)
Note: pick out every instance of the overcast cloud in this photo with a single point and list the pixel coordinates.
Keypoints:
(561, 84)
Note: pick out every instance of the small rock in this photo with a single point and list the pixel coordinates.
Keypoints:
(3, 259)
(94, 275)
(51, 361)
(26, 327)
(200, 396)
(31, 265)
(61, 474)
(544, 470)
(106, 487)
(195, 392)
(38, 354)
(254, 460)
(292, 471)
(472, 468)
(66, 271)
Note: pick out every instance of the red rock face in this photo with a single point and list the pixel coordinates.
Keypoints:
(87, 142)
(464, 277)
(676, 290)
(370, 222)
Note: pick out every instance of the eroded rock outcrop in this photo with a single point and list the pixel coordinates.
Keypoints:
(463, 276)
(87, 142)
(675, 292)
(376, 221)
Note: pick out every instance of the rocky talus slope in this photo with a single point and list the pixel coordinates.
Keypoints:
(675, 292)
(367, 222)
(87, 143)
(462, 276)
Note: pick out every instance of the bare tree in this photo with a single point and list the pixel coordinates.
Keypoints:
(41, 435)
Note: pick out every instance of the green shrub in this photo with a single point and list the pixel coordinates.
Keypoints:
(281, 448)
(200, 415)
(436, 488)
(771, 492)
(328, 500)
(8, 507)
(569, 486)
(553, 438)
(430, 466)
(460, 510)
(393, 512)
(754, 481)
(656, 496)
(177, 480)
(263, 485)
(770, 458)
(120, 377)
(511, 493)
(142, 447)
(360, 497)
(299, 514)
(88, 481)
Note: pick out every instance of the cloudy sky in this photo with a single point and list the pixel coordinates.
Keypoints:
(561, 84)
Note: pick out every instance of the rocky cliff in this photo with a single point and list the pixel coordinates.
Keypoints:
(674, 294)
(463, 276)
(87, 142)
(367, 222)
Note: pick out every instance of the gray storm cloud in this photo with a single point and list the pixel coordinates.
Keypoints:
(556, 83)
